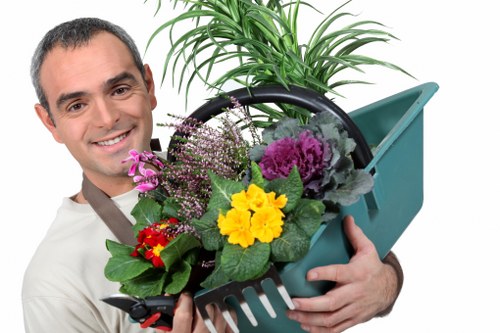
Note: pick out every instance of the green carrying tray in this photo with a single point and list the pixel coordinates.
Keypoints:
(393, 128)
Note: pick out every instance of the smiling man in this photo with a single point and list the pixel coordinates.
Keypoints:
(99, 105)
(96, 97)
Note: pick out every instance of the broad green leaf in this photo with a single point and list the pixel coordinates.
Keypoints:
(241, 264)
(356, 184)
(292, 245)
(257, 177)
(179, 278)
(176, 249)
(217, 277)
(207, 228)
(171, 208)
(148, 284)
(146, 212)
(116, 248)
(125, 267)
(292, 187)
(307, 215)
(222, 190)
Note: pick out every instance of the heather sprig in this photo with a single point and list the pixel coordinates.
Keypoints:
(197, 149)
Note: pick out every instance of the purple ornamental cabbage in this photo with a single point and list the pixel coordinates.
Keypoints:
(306, 152)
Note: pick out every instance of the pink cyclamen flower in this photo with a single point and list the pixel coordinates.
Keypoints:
(145, 156)
(148, 179)
(135, 157)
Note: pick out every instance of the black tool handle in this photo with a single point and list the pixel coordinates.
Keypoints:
(298, 96)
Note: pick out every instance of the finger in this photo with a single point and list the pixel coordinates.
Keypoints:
(356, 236)
(183, 317)
(320, 319)
(331, 301)
(219, 320)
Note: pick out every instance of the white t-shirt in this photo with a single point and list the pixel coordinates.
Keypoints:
(65, 280)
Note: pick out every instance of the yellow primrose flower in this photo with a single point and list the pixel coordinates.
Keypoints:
(254, 198)
(240, 201)
(266, 224)
(236, 224)
(279, 202)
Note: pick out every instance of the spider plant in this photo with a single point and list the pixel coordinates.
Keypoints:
(255, 42)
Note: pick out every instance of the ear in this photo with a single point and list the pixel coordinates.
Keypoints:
(44, 116)
(150, 85)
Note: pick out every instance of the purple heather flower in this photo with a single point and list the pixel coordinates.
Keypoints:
(306, 153)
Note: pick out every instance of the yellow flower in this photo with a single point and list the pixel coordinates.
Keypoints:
(256, 197)
(236, 224)
(279, 202)
(266, 224)
(240, 201)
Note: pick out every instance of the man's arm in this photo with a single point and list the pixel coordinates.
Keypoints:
(364, 288)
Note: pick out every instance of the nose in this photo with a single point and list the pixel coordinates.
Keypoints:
(105, 114)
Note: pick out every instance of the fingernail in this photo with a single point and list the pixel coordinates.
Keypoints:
(312, 276)
(291, 315)
(305, 328)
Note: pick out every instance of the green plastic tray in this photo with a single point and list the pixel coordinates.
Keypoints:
(394, 128)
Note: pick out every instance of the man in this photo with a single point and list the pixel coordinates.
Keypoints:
(96, 97)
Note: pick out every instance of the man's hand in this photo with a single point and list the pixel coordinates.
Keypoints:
(185, 323)
(364, 288)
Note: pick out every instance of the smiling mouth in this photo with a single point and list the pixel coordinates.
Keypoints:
(112, 141)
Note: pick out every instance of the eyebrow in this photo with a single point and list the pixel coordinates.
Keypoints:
(107, 84)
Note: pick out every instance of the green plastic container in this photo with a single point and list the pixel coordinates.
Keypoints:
(393, 128)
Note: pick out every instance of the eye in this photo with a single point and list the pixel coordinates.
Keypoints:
(120, 91)
(75, 107)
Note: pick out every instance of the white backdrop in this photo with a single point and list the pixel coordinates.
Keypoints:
(448, 252)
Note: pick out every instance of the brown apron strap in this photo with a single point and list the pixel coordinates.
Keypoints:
(116, 221)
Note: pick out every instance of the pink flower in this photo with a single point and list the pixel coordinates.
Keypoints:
(148, 179)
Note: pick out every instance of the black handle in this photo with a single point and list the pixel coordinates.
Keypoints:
(298, 96)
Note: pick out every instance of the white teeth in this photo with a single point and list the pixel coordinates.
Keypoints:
(113, 141)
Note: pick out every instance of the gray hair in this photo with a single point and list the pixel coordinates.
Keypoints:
(73, 34)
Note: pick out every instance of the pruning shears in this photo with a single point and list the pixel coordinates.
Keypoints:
(154, 311)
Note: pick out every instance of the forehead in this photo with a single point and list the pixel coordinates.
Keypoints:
(84, 67)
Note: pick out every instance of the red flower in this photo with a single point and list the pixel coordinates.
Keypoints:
(153, 239)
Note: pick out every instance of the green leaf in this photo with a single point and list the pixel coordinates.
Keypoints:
(292, 245)
(217, 278)
(149, 284)
(292, 187)
(307, 215)
(179, 278)
(257, 177)
(356, 184)
(176, 249)
(146, 212)
(241, 264)
(116, 248)
(207, 228)
(125, 267)
(171, 208)
(222, 190)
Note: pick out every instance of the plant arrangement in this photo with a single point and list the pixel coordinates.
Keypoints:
(222, 207)
(255, 42)
(255, 203)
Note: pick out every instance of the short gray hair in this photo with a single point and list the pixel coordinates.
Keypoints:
(74, 34)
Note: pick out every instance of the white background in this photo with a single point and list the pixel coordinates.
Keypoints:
(449, 252)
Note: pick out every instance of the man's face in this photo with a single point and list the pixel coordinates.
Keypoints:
(101, 106)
